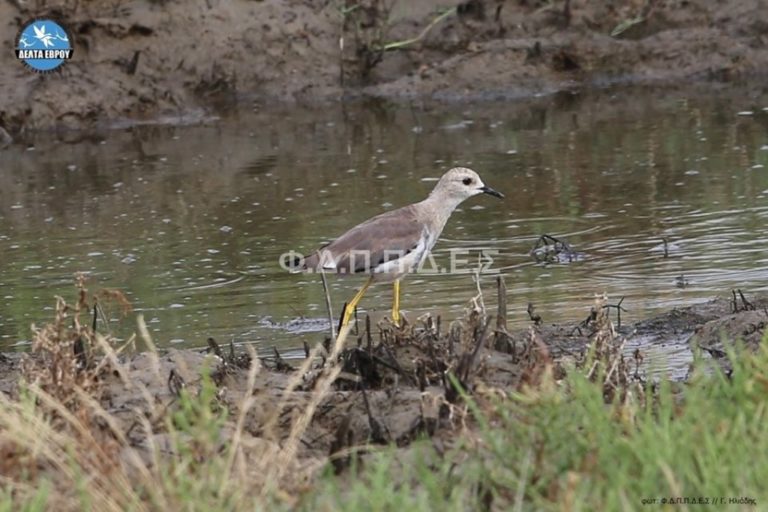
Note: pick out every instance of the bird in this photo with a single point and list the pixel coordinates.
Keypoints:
(390, 245)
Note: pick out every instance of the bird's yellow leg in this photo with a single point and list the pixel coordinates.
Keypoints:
(351, 305)
(396, 302)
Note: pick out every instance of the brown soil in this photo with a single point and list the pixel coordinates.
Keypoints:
(394, 384)
(177, 60)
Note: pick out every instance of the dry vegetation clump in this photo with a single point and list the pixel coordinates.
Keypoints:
(605, 363)
(87, 428)
(54, 430)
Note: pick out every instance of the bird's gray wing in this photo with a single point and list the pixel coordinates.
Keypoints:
(383, 238)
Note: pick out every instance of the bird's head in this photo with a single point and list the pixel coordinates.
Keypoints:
(461, 183)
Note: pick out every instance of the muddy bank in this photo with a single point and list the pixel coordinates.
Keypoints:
(179, 61)
(392, 386)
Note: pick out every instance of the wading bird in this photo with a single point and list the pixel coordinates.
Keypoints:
(390, 245)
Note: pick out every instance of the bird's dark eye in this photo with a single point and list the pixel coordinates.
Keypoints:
(467, 181)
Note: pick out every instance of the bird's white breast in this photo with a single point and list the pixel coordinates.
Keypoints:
(394, 269)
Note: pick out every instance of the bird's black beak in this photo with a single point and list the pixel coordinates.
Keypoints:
(491, 192)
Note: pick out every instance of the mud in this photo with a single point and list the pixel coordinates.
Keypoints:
(177, 61)
(396, 384)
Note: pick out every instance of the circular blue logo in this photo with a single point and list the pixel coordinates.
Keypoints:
(43, 45)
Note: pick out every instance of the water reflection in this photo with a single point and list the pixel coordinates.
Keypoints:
(190, 221)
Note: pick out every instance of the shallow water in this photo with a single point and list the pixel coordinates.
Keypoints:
(190, 221)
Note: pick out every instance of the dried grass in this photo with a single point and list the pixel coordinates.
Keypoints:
(58, 439)
(606, 363)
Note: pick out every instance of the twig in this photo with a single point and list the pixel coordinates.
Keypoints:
(619, 309)
(215, 348)
(280, 364)
(745, 304)
(399, 44)
(748, 306)
(378, 431)
(535, 317)
(175, 383)
(478, 347)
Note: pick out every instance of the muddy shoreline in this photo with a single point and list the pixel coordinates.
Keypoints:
(701, 326)
(178, 62)
(395, 386)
